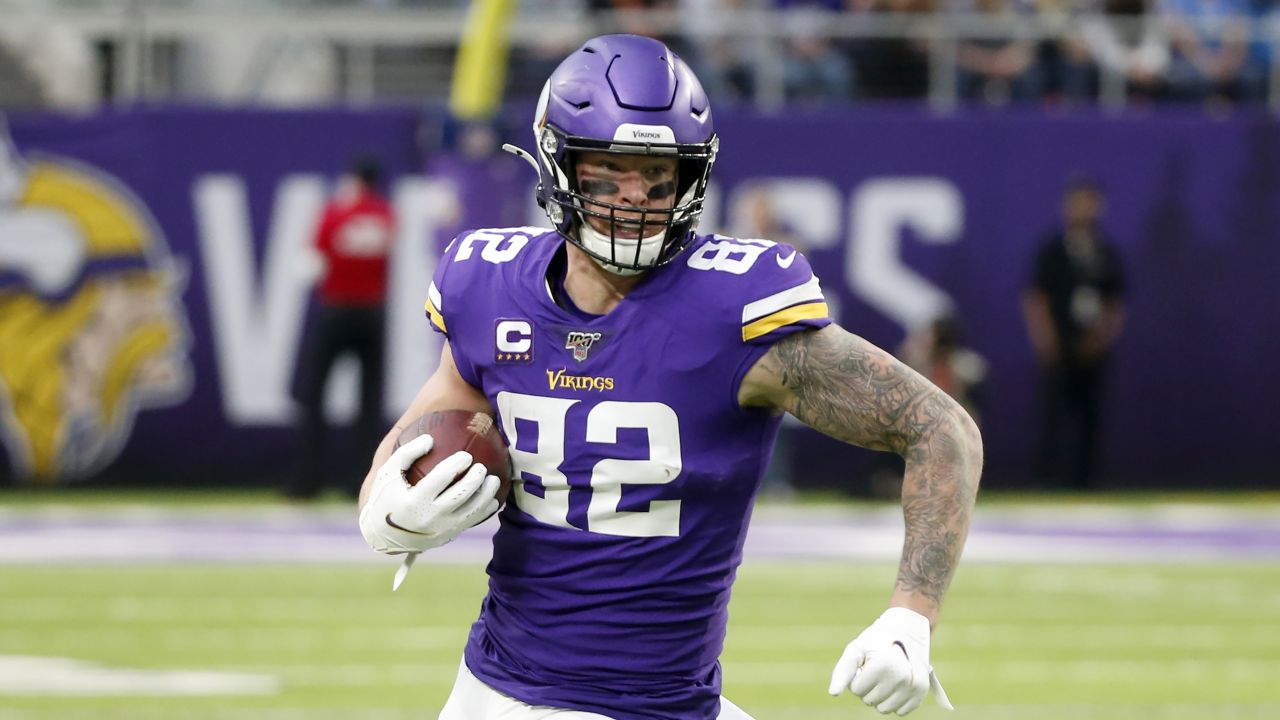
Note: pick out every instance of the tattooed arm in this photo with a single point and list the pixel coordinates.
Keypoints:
(844, 386)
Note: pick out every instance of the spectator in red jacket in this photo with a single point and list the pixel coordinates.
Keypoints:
(353, 241)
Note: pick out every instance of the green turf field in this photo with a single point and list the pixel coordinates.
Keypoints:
(1063, 641)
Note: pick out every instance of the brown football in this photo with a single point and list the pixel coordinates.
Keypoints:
(455, 430)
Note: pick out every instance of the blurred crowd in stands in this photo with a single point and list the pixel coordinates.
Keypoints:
(1000, 50)
(766, 52)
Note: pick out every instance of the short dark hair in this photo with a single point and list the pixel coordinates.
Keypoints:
(947, 332)
(1083, 182)
(368, 170)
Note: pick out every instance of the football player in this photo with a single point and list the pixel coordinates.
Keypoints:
(639, 372)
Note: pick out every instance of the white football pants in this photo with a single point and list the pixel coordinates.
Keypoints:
(473, 700)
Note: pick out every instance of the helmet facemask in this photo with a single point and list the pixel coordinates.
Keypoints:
(661, 233)
(627, 95)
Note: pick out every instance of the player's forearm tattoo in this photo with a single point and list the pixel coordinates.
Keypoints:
(849, 389)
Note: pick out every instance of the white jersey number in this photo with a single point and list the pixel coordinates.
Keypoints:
(497, 247)
(728, 254)
(547, 417)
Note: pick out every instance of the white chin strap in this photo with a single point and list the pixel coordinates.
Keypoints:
(601, 245)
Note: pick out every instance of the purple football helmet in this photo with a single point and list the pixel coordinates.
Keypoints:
(631, 95)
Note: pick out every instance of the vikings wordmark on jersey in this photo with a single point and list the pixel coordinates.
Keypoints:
(92, 328)
(635, 466)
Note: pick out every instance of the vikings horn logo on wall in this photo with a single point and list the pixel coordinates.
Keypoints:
(92, 327)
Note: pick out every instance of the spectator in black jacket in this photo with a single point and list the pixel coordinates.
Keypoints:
(1074, 311)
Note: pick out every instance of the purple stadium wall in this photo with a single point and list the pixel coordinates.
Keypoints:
(903, 214)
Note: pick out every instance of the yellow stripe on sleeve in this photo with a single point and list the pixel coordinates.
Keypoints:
(769, 323)
(436, 318)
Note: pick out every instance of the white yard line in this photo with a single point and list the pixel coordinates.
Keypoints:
(32, 675)
(1071, 533)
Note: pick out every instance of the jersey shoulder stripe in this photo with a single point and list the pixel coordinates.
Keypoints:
(782, 318)
(434, 313)
(808, 291)
(794, 304)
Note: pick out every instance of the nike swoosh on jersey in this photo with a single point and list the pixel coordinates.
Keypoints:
(393, 524)
(785, 263)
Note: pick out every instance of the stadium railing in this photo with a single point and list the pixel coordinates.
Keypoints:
(136, 44)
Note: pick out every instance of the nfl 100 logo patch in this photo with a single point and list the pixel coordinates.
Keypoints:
(513, 341)
(581, 342)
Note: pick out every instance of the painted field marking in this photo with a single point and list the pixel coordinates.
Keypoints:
(33, 675)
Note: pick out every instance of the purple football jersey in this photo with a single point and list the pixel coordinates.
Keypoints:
(635, 467)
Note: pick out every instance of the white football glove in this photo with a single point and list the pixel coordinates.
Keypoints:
(888, 664)
(399, 518)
